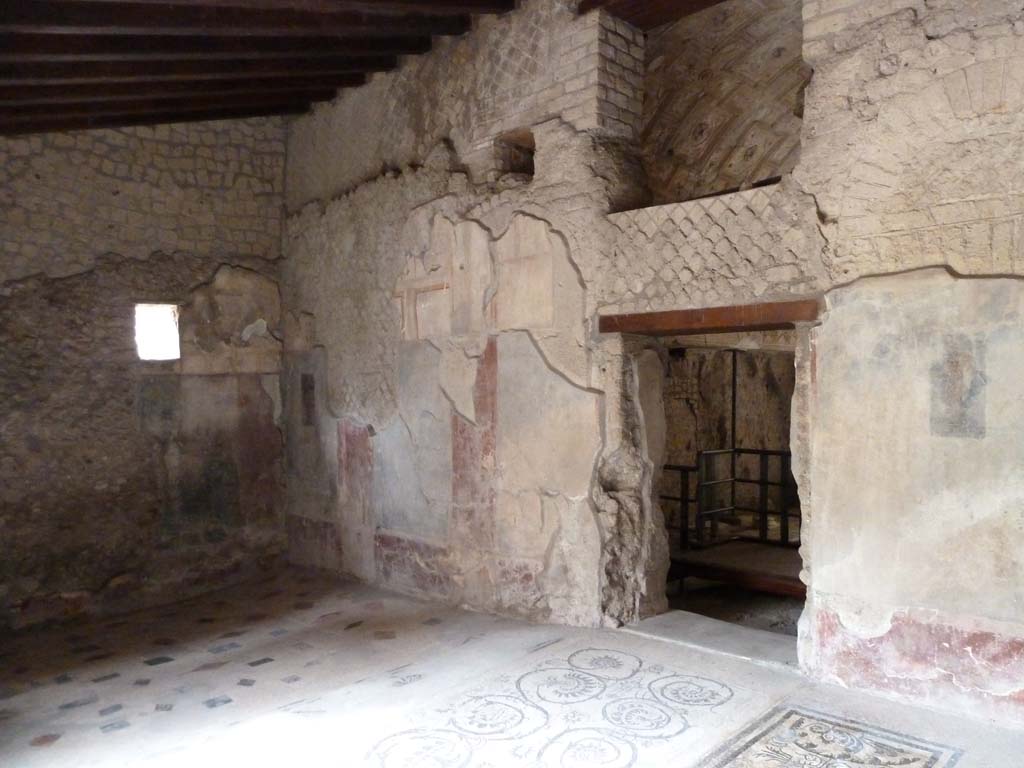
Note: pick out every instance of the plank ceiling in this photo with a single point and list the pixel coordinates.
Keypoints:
(73, 64)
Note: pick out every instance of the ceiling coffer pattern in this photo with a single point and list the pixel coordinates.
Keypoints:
(76, 64)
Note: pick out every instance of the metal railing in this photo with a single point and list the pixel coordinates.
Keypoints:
(711, 510)
(684, 500)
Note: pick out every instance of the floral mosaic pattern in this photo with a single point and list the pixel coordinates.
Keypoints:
(596, 707)
(789, 737)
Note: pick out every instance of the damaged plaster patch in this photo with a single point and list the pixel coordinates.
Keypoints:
(412, 455)
(930, 535)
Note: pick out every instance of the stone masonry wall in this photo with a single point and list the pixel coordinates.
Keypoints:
(512, 72)
(443, 394)
(912, 141)
(746, 246)
(127, 482)
(451, 434)
(442, 338)
(213, 189)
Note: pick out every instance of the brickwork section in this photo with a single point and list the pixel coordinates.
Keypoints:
(720, 250)
(206, 188)
(620, 77)
(512, 72)
(723, 95)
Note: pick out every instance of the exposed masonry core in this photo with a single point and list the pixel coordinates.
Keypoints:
(390, 366)
(213, 189)
(127, 481)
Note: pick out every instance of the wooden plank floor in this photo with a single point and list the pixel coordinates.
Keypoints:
(755, 566)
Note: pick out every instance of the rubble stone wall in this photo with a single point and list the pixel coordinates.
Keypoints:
(126, 482)
(213, 189)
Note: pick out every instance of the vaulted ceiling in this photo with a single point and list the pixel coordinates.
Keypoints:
(648, 14)
(72, 64)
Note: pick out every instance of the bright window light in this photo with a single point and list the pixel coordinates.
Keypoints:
(156, 331)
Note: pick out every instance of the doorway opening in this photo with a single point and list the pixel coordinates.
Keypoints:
(726, 486)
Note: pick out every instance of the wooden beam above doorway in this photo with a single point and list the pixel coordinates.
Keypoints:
(771, 316)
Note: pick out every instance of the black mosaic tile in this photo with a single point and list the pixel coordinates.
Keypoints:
(260, 662)
(117, 725)
(433, 622)
(62, 678)
(353, 625)
(164, 707)
(92, 698)
(158, 660)
(246, 682)
(99, 656)
(142, 681)
(217, 701)
(110, 710)
(278, 632)
(224, 647)
(233, 633)
(45, 740)
(105, 678)
(291, 679)
(210, 665)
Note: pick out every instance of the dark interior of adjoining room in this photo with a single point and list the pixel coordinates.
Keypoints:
(726, 488)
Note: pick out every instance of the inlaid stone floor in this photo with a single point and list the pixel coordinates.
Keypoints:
(301, 670)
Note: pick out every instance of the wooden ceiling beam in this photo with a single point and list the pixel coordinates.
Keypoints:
(43, 125)
(32, 47)
(127, 18)
(431, 7)
(127, 71)
(62, 93)
(195, 103)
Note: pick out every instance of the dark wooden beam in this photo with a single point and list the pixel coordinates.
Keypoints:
(125, 71)
(32, 47)
(44, 125)
(648, 14)
(197, 103)
(117, 17)
(161, 102)
(744, 317)
(432, 7)
(64, 93)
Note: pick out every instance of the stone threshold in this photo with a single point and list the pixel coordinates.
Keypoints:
(691, 630)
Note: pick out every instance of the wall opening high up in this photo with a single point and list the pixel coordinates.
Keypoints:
(723, 99)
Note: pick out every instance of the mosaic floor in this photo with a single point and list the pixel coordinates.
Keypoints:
(303, 670)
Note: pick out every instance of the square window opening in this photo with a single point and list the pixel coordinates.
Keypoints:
(515, 151)
(156, 332)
